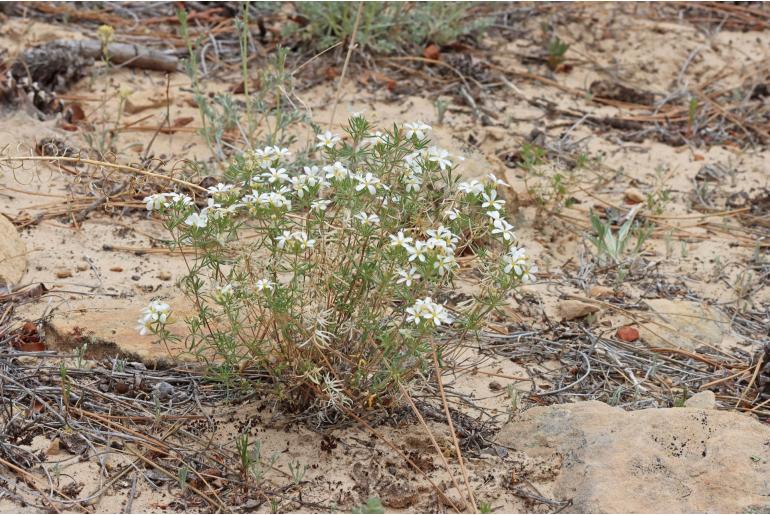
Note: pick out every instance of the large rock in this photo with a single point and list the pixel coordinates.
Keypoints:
(678, 460)
(13, 254)
(685, 324)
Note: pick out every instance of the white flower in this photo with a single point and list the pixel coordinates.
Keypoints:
(144, 326)
(472, 187)
(376, 137)
(264, 284)
(299, 185)
(416, 129)
(301, 238)
(515, 261)
(444, 264)
(197, 220)
(156, 312)
(504, 229)
(367, 219)
(224, 293)
(494, 215)
(220, 188)
(313, 175)
(439, 156)
(327, 140)
(180, 200)
(368, 182)
(155, 202)
(491, 201)
(408, 276)
(284, 238)
(493, 180)
(412, 183)
(274, 175)
(319, 205)
(399, 239)
(337, 171)
(417, 251)
(452, 214)
(280, 152)
(528, 276)
(428, 311)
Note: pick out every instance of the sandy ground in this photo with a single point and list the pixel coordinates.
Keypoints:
(100, 274)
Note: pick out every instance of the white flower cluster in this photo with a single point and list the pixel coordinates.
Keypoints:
(155, 315)
(425, 310)
(265, 157)
(300, 237)
(517, 262)
(438, 249)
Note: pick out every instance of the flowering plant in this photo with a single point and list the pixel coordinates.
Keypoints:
(327, 276)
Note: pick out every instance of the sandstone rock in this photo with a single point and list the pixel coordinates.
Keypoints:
(571, 309)
(684, 324)
(677, 460)
(634, 196)
(703, 400)
(112, 332)
(13, 254)
(600, 292)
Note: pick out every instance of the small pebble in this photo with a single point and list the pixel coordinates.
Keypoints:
(628, 333)
(164, 276)
(634, 196)
(116, 269)
(63, 274)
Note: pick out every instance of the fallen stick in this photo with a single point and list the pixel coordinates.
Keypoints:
(57, 52)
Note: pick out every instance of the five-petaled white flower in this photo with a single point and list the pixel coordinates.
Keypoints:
(416, 129)
(407, 277)
(283, 239)
(299, 185)
(320, 205)
(276, 174)
(368, 182)
(417, 251)
(412, 183)
(504, 229)
(337, 171)
(367, 219)
(327, 139)
(528, 275)
(428, 311)
(155, 202)
(491, 201)
(264, 284)
(515, 261)
(444, 264)
(440, 157)
(197, 220)
(301, 238)
(400, 239)
(472, 187)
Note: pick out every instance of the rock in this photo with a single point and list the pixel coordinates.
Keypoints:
(634, 196)
(628, 333)
(63, 274)
(675, 460)
(13, 254)
(684, 324)
(702, 400)
(164, 276)
(600, 292)
(572, 309)
(112, 331)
